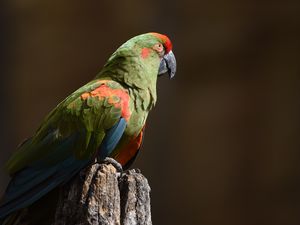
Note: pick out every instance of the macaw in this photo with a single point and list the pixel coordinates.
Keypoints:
(104, 118)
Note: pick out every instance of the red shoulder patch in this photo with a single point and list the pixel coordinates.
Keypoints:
(117, 97)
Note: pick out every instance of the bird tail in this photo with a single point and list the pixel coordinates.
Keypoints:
(15, 218)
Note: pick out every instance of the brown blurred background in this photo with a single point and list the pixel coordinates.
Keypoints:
(222, 145)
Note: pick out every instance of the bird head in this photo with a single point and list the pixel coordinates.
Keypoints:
(141, 59)
(155, 45)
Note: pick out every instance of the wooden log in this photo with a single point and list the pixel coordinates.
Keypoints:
(101, 195)
(135, 199)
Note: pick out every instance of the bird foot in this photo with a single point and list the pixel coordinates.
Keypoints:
(114, 162)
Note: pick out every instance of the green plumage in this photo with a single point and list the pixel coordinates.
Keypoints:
(91, 117)
(73, 115)
(104, 118)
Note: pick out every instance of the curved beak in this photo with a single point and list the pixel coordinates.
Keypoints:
(168, 65)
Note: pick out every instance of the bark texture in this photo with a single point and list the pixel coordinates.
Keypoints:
(100, 195)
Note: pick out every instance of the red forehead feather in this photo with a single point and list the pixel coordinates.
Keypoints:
(167, 42)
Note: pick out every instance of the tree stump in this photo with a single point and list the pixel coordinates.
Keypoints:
(100, 195)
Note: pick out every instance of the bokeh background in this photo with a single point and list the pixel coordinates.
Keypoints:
(222, 144)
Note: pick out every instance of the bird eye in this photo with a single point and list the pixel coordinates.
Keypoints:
(159, 48)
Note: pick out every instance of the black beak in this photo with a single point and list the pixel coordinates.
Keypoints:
(168, 64)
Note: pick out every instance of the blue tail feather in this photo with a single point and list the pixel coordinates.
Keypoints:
(19, 195)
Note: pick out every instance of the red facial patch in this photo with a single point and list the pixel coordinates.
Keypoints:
(166, 41)
(117, 97)
(145, 52)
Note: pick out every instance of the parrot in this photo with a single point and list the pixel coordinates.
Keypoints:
(102, 120)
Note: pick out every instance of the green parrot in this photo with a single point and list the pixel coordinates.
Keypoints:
(104, 118)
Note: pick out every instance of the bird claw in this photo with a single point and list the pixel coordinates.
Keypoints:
(114, 162)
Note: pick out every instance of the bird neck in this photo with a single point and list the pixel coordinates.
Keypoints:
(135, 74)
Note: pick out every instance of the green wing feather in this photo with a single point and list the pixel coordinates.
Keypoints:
(88, 118)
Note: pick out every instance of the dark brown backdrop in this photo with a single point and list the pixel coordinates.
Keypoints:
(222, 145)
